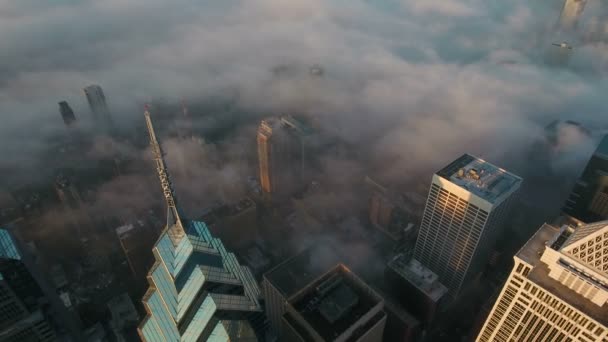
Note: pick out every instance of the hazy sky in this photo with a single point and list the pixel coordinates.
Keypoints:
(420, 81)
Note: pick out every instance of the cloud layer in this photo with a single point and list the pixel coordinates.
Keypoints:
(412, 84)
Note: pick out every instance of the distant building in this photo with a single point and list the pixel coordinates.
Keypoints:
(417, 288)
(571, 12)
(136, 242)
(588, 201)
(67, 114)
(467, 205)
(198, 290)
(282, 155)
(557, 290)
(124, 318)
(98, 105)
(235, 224)
(24, 313)
(387, 211)
(67, 192)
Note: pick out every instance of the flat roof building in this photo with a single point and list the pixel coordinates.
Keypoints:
(466, 207)
(287, 278)
(557, 290)
(337, 307)
(416, 287)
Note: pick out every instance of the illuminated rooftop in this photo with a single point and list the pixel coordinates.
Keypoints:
(481, 178)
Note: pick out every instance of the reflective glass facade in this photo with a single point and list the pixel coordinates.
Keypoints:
(192, 285)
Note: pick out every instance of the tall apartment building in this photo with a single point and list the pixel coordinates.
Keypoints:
(465, 210)
(98, 105)
(282, 155)
(198, 290)
(571, 11)
(67, 114)
(557, 290)
(588, 201)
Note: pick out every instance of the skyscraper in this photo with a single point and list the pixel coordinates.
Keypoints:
(67, 114)
(198, 290)
(557, 290)
(282, 155)
(97, 103)
(467, 204)
(23, 312)
(571, 11)
(588, 201)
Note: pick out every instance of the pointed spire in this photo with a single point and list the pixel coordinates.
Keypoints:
(174, 224)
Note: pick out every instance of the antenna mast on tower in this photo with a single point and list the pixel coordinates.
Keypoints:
(174, 224)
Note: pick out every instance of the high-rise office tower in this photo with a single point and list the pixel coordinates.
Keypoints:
(99, 107)
(466, 207)
(557, 290)
(282, 155)
(23, 308)
(588, 201)
(198, 290)
(67, 114)
(571, 11)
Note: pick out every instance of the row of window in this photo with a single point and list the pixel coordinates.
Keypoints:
(544, 317)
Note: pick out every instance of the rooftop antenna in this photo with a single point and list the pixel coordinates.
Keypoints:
(174, 224)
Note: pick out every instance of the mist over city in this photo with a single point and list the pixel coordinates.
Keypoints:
(303, 142)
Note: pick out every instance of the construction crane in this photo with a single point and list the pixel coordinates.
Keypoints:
(174, 223)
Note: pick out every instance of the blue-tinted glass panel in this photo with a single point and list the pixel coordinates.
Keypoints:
(7, 246)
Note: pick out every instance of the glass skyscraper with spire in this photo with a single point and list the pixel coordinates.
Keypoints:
(198, 290)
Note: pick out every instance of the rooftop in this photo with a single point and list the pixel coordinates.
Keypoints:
(479, 177)
(334, 303)
(298, 271)
(298, 124)
(423, 278)
(531, 253)
(120, 231)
